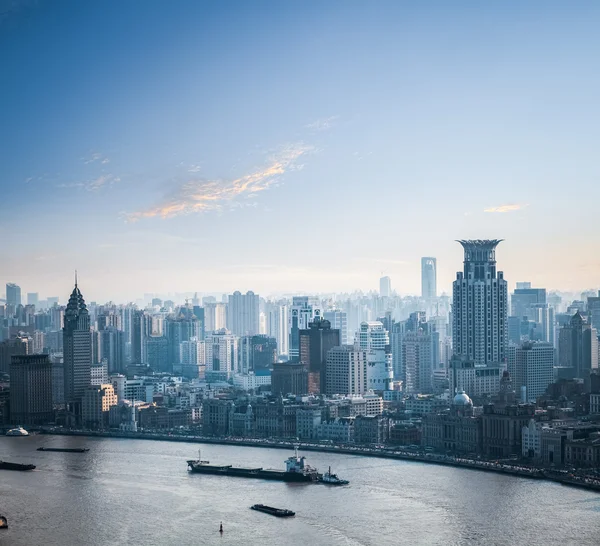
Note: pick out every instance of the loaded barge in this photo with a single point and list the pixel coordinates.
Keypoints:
(65, 449)
(15, 466)
(296, 470)
(277, 512)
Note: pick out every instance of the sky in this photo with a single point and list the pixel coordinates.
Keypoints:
(295, 147)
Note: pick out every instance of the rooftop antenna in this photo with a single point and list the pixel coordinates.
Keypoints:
(76, 278)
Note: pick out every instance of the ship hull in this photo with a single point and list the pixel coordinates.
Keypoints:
(256, 473)
(15, 466)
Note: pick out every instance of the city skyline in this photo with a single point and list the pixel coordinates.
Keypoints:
(187, 143)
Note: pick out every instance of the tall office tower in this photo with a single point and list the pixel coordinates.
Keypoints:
(315, 342)
(77, 347)
(18, 345)
(31, 390)
(141, 328)
(111, 345)
(222, 355)
(243, 314)
(177, 330)
(57, 317)
(277, 324)
(593, 307)
(479, 319)
(418, 350)
(199, 314)
(193, 357)
(257, 353)
(215, 315)
(346, 370)
(339, 321)
(428, 278)
(33, 298)
(578, 347)
(546, 322)
(374, 338)
(157, 353)
(524, 300)
(109, 319)
(13, 294)
(531, 368)
(385, 287)
(303, 311)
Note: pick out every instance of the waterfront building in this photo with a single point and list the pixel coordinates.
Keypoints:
(307, 421)
(243, 314)
(289, 377)
(371, 429)
(96, 404)
(531, 366)
(428, 278)
(346, 370)
(479, 312)
(303, 311)
(31, 390)
(315, 343)
(337, 431)
(373, 338)
(77, 347)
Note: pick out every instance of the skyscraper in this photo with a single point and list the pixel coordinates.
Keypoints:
(479, 313)
(524, 299)
(373, 338)
(222, 356)
(304, 310)
(33, 298)
(315, 343)
(385, 287)
(243, 314)
(77, 347)
(183, 328)
(13, 294)
(31, 390)
(531, 367)
(578, 347)
(339, 321)
(418, 361)
(346, 370)
(257, 353)
(428, 278)
(277, 324)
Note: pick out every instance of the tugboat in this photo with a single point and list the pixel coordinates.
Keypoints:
(332, 479)
(296, 470)
(3, 523)
(19, 431)
(277, 512)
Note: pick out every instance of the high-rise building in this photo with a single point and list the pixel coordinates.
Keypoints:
(304, 310)
(18, 345)
(199, 314)
(578, 347)
(13, 294)
(77, 347)
(157, 353)
(193, 358)
(277, 324)
(374, 338)
(141, 328)
(257, 353)
(479, 312)
(593, 307)
(418, 361)
(428, 278)
(96, 404)
(215, 316)
(546, 322)
(339, 321)
(531, 367)
(33, 298)
(31, 390)
(346, 370)
(385, 287)
(315, 343)
(222, 355)
(111, 345)
(182, 328)
(243, 314)
(525, 299)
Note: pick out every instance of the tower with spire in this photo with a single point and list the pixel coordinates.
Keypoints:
(77, 347)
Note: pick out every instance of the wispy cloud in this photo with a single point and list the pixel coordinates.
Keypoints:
(92, 185)
(506, 208)
(197, 196)
(96, 156)
(323, 124)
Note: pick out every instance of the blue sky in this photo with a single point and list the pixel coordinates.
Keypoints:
(295, 146)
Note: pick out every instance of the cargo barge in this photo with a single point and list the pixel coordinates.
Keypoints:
(15, 466)
(296, 470)
(65, 449)
(277, 512)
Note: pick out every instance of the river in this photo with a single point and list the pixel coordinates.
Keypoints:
(139, 492)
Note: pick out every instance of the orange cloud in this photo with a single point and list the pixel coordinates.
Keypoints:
(506, 208)
(198, 196)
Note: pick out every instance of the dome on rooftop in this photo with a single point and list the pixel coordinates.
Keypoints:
(461, 399)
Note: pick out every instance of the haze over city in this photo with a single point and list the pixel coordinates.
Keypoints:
(295, 147)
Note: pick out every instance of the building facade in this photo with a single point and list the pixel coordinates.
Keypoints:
(31, 390)
(346, 370)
